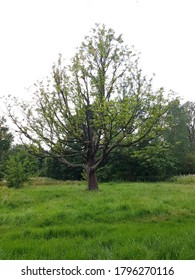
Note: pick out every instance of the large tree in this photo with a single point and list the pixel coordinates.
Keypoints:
(99, 102)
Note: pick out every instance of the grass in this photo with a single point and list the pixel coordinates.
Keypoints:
(121, 221)
(184, 179)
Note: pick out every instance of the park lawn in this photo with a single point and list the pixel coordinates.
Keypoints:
(121, 221)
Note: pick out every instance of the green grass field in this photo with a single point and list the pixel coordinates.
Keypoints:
(121, 221)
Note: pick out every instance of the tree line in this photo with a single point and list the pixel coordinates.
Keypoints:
(100, 118)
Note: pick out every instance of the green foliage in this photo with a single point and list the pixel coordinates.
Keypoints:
(100, 102)
(122, 221)
(6, 139)
(16, 172)
(20, 167)
(56, 170)
(177, 137)
(189, 110)
(149, 162)
(189, 163)
(34, 163)
(180, 135)
(155, 161)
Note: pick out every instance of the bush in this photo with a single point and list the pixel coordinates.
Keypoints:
(17, 171)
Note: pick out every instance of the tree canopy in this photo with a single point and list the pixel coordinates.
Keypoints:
(99, 102)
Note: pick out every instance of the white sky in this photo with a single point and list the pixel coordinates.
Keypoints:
(34, 32)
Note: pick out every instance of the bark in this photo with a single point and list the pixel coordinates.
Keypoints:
(92, 180)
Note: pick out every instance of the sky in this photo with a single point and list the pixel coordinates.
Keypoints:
(34, 32)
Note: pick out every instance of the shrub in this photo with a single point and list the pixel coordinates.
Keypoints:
(17, 171)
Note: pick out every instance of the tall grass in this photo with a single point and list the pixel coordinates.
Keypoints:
(121, 221)
(184, 179)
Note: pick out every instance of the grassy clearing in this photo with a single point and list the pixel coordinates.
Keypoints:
(121, 221)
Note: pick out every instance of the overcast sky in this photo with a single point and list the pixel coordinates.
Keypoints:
(34, 32)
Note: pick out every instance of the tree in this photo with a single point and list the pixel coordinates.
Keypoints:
(152, 161)
(181, 136)
(56, 170)
(99, 102)
(189, 159)
(32, 163)
(16, 174)
(6, 139)
(20, 167)
(189, 111)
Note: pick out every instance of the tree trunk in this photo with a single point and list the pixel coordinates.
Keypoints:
(92, 180)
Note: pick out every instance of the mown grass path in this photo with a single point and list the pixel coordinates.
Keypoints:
(121, 221)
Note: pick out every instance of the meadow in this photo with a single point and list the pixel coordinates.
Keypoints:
(121, 221)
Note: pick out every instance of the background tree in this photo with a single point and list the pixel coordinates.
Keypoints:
(56, 170)
(152, 161)
(189, 160)
(181, 137)
(189, 112)
(6, 139)
(98, 103)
